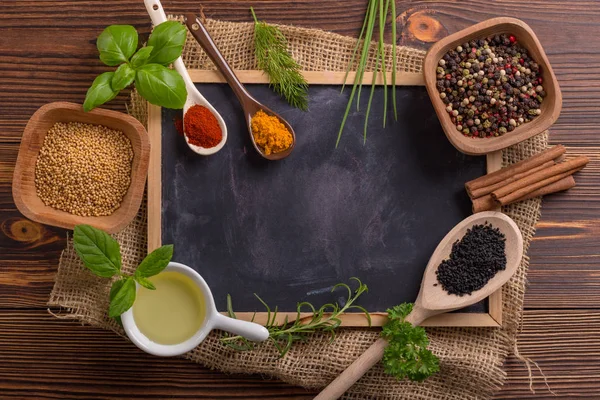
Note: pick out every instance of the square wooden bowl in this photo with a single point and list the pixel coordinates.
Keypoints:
(24, 192)
(551, 105)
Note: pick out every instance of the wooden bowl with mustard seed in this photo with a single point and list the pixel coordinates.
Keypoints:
(77, 167)
(549, 109)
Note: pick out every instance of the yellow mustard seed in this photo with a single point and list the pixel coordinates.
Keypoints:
(83, 169)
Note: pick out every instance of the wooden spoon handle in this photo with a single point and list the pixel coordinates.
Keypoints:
(200, 33)
(354, 372)
(369, 358)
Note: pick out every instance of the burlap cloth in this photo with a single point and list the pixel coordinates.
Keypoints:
(471, 358)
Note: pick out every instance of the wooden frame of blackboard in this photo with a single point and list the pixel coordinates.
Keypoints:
(493, 318)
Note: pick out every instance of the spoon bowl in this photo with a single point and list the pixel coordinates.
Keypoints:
(250, 105)
(433, 299)
(194, 97)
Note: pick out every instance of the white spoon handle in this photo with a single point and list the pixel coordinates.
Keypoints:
(158, 16)
(250, 330)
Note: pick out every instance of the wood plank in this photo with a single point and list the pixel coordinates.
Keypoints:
(46, 358)
(566, 345)
(49, 358)
(380, 318)
(312, 77)
(564, 253)
(36, 73)
(154, 177)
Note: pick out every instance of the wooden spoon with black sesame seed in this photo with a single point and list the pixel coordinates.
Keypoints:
(433, 299)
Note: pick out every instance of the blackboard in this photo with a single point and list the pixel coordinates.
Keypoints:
(289, 230)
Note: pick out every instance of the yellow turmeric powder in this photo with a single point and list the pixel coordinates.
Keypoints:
(269, 133)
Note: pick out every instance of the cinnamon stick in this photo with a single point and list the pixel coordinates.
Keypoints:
(487, 203)
(484, 203)
(558, 186)
(521, 193)
(532, 180)
(489, 189)
(522, 166)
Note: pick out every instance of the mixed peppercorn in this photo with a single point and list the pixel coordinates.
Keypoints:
(490, 86)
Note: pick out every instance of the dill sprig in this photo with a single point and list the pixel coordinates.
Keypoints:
(283, 336)
(273, 58)
(377, 11)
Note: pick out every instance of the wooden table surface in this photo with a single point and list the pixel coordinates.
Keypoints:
(48, 53)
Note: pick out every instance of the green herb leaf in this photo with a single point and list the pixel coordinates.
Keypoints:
(100, 92)
(116, 286)
(167, 40)
(144, 282)
(123, 77)
(283, 336)
(377, 11)
(98, 251)
(406, 355)
(273, 58)
(141, 57)
(155, 262)
(122, 297)
(117, 43)
(161, 86)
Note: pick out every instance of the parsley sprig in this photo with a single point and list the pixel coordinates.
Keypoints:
(406, 355)
(283, 336)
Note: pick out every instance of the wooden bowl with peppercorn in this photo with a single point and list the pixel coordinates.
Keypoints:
(491, 85)
(77, 167)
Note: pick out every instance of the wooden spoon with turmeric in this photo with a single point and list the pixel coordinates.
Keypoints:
(259, 118)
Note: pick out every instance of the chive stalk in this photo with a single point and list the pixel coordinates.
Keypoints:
(375, 8)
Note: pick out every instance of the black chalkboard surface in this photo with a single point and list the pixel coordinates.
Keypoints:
(289, 230)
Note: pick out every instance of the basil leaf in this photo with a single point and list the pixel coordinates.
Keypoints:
(141, 57)
(116, 44)
(155, 262)
(123, 297)
(98, 251)
(100, 92)
(118, 319)
(161, 86)
(144, 282)
(123, 77)
(116, 286)
(167, 39)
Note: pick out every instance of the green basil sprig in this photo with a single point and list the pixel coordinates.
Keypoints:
(146, 67)
(101, 254)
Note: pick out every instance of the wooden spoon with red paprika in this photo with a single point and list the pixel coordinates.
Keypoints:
(250, 105)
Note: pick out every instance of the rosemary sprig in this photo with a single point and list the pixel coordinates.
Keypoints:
(283, 336)
(377, 10)
(273, 58)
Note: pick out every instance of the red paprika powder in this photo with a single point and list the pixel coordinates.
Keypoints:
(201, 127)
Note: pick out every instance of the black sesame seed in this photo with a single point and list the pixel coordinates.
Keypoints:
(474, 260)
